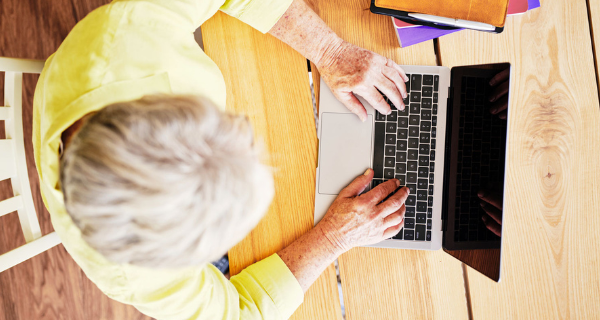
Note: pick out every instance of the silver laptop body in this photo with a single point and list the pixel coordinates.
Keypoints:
(346, 151)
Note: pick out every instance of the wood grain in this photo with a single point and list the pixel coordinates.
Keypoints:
(268, 81)
(550, 258)
(594, 20)
(50, 285)
(387, 283)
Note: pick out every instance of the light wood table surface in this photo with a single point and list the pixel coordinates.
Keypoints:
(551, 258)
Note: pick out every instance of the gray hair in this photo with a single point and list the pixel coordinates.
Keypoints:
(164, 181)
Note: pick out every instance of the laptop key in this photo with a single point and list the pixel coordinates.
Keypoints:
(413, 189)
(429, 213)
(430, 201)
(392, 116)
(430, 190)
(425, 137)
(409, 223)
(410, 211)
(401, 178)
(415, 82)
(421, 195)
(435, 106)
(402, 134)
(420, 232)
(377, 182)
(401, 168)
(433, 132)
(403, 122)
(427, 80)
(431, 166)
(422, 183)
(379, 116)
(398, 236)
(410, 200)
(432, 155)
(436, 82)
(413, 120)
(389, 162)
(435, 98)
(388, 173)
(434, 121)
(413, 154)
(390, 151)
(427, 91)
(421, 207)
(429, 224)
(415, 108)
(409, 234)
(412, 166)
(390, 139)
(411, 177)
(413, 143)
(413, 132)
(401, 156)
(424, 149)
(421, 217)
(432, 143)
(425, 126)
(415, 97)
(401, 145)
(378, 153)
(423, 172)
(390, 127)
(408, 83)
(428, 236)
(431, 179)
(425, 114)
(426, 103)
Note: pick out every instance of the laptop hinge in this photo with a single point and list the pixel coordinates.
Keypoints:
(449, 117)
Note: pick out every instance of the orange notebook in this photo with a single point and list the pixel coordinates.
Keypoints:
(486, 11)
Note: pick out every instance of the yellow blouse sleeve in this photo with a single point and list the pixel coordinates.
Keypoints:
(268, 289)
(265, 290)
(259, 14)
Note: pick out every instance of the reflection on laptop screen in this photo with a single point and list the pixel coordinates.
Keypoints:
(475, 160)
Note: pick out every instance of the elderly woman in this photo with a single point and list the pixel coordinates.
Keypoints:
(147, 180)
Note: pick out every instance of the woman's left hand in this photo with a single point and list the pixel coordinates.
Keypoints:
(349, 70)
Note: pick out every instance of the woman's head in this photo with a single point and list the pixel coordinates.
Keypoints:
(164, 181)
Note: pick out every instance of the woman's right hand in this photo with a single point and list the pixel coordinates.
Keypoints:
(357, 220)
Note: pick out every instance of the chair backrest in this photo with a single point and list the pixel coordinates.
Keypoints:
(13, 164)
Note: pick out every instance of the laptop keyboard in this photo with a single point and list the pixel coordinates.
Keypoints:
(405, 150)
(482, 138)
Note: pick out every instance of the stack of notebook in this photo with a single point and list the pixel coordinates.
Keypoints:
(409, 34)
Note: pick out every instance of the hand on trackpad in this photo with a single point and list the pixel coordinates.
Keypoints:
(345, 150)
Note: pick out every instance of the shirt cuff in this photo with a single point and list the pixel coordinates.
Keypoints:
(279, 282)
(261, 15)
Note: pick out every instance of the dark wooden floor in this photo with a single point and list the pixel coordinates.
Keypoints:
(51, 285)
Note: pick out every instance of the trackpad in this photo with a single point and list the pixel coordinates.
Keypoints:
(345, 150)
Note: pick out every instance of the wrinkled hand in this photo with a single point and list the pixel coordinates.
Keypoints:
(491, 202)
(357, 220)
(499, 96)
(348, 70)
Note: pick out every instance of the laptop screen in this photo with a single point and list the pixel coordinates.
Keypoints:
(475, 166)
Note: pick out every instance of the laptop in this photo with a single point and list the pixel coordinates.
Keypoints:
(445, 146)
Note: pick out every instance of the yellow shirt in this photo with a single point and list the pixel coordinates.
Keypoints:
(123, 51)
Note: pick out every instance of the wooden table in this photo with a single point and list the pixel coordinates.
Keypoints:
(551, 253)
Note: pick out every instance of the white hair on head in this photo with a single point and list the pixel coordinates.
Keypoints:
(164, 181)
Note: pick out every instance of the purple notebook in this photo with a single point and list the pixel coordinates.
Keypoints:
(410, 36)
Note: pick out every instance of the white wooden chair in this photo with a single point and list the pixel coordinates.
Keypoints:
(14, 167)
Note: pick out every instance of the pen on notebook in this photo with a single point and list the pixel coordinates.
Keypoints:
(453, 22)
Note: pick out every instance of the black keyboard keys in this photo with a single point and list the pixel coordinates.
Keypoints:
(420, 232)
(415, 82)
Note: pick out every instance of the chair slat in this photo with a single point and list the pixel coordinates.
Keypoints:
(27, 251)
(7, 159)
(4, 113)
(11, 204)
(21, 65)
